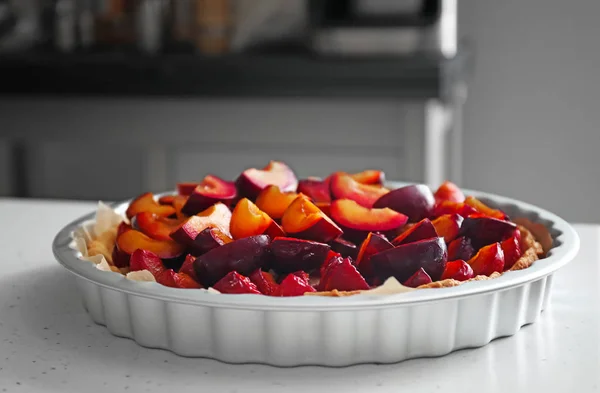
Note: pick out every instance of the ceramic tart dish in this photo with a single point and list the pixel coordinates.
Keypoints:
(345, 270)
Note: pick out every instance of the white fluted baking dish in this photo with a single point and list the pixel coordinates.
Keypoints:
(330, 331)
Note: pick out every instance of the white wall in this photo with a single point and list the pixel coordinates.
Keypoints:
(116, 148)
(533, 115)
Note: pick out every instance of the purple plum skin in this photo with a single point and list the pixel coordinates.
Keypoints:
(415, 201)
(291, 255)
(344, 247)
(465, 250)
(426, 230)
(486, 230)
(242, 255)
(403, 261)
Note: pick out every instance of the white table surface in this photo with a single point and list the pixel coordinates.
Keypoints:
(49, 344)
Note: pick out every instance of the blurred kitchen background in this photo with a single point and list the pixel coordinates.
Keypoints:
(104, 99)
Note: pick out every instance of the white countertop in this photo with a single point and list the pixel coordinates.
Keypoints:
(48, 343)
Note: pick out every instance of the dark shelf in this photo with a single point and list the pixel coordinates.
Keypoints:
(292, 74)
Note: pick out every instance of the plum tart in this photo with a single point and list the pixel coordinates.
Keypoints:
(268, 233)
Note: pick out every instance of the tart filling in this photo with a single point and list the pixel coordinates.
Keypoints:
(269, 234)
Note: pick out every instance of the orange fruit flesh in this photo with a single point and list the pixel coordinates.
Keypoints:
(274, 202)
(248, 220)
(300, 215)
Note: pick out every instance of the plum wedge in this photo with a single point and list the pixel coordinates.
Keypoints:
(252, 181)
(341, 274)
(217, 216)
(248, 220)
(274, 202)
(264, 282)
(461, 248)
(243, 256)
(415, 201)
(448, 226)
(485, 209)
(210, 238)
(131, 240)
(422, 230)
(357, 221)
(146, 203)
(210, 191)
(344, 247)
(343, 186)
(419, 278)
(488, 260)
(403, 261)
(290, 255)
(157, 227)
(486, 230)
(304, 220)
(449, 191)
(369, 176)
(458, 270)
(234, 282)
(373, 244)
(146, 260)
(316, 190)
(512, 251)
(295, 284)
